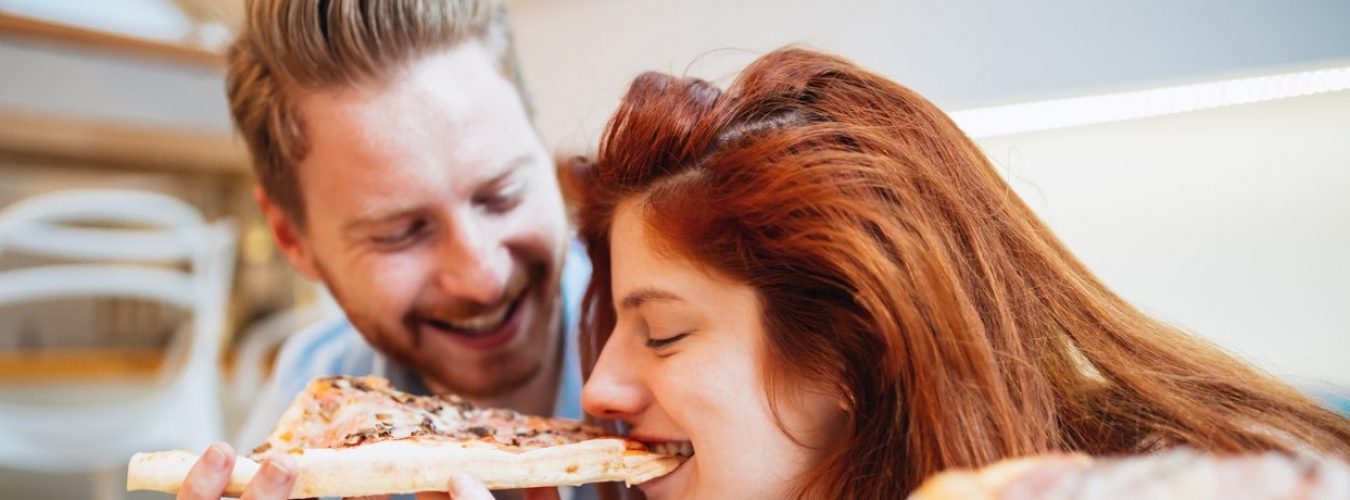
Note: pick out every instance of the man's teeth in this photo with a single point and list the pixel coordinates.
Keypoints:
(482, 323)
(683, 448)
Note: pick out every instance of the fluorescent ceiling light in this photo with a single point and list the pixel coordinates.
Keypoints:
(1060, 113)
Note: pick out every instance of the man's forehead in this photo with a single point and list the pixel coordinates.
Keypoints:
(452, 97)
(444, 126)
(463, 73)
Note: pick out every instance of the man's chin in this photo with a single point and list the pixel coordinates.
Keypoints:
(487, 364)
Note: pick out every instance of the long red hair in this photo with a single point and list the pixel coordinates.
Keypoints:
(895, 267)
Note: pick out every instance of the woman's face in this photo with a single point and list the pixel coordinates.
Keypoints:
(684, 368)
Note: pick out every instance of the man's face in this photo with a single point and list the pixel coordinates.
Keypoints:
(433, 215)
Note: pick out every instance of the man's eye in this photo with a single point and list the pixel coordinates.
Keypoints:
(663, 342)
(403, 235)
(501, 201)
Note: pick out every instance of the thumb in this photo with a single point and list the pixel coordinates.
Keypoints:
(466, 487)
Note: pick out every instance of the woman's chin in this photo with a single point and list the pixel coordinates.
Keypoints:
(673, 485)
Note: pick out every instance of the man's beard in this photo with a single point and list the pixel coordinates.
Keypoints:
(402, 341)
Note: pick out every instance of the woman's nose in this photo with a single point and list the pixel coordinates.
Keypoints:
(615, 391)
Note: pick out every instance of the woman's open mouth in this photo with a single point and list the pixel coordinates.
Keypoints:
(661, 486)
(682, 449)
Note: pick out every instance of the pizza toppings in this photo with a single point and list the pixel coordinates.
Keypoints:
(338, 412)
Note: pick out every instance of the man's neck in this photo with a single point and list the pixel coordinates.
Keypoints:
(538, 395)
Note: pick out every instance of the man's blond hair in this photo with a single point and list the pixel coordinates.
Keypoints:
(287, 46)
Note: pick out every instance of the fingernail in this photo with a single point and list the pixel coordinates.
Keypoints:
(280, 467)
(215, 456)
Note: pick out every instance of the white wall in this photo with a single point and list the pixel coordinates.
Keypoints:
(1233, 223)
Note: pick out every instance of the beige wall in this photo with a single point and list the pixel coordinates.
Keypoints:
(1233, 222)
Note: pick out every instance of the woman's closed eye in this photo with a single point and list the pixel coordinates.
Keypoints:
(657, 343)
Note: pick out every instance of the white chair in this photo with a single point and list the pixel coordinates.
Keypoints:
(181, 407)
(260, 341)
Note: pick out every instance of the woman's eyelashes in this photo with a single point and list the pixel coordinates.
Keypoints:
(657, 343)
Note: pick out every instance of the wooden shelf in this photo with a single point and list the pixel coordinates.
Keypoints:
(30, 28)
(96, 363)
(32, 137)
(90, 363)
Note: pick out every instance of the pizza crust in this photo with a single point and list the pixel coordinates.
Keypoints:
(411, 465)
(1175, 473)
(986, 483)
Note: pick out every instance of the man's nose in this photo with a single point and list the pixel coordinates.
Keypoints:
(475, 266)
(614, 391)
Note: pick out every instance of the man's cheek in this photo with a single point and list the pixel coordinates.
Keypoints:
(392, 291)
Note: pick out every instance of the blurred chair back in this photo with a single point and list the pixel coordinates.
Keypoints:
(124, 244)
(260, 343)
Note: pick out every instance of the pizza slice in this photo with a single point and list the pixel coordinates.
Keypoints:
(1170, 474)
(356, 436)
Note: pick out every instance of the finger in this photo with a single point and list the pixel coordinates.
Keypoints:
(541, 494)
(274, 479)
(210, 475)
(466, 487)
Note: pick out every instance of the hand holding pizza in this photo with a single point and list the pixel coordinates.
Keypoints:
(209, 477)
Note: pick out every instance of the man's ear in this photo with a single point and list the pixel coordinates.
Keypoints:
(288, 235)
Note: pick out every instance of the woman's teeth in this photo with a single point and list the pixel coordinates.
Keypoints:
(681, 449)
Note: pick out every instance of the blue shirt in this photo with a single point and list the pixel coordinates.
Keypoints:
(334, 347)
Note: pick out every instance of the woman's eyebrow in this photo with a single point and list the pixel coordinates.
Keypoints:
(643, 295)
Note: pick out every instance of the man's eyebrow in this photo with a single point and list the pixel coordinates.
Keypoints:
(509, 168)
(641, 296)
(518, 161)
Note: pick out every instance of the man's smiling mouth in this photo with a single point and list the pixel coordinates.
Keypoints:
(490, 321)
(481, 324)
(491, 330)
